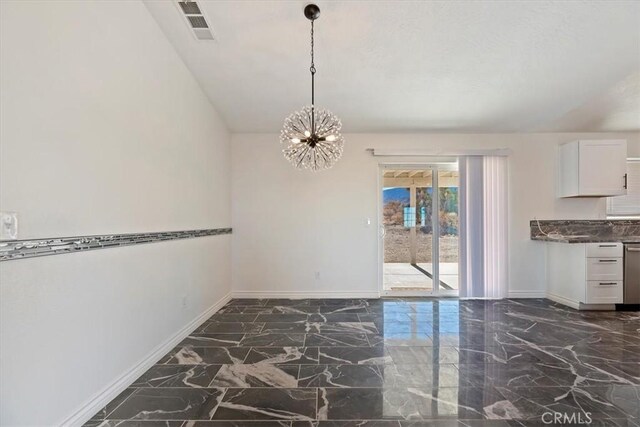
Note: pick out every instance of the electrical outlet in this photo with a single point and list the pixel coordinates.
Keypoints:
(8, 225)
(317, 275)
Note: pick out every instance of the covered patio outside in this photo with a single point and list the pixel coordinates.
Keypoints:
(406, 276)
(408, 205)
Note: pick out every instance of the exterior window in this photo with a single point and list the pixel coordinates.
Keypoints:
(627, 206)
(409, 217)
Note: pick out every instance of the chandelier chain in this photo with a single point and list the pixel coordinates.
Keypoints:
(313, 84)
(313, 65)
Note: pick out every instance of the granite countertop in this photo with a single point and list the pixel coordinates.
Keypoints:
(586, 231)
(588, 239)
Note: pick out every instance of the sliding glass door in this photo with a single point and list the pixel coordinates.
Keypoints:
(419, 229)
(447, 235)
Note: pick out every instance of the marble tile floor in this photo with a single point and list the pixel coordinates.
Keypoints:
(392, 362)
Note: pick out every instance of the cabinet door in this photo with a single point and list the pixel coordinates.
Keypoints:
(604, 250)
(604, 269)
(603, 292)
(603, 165)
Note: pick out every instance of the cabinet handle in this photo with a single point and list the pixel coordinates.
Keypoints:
(633, 249)
(608, 283)
(625, 181)
(607, 246)
(607, 260)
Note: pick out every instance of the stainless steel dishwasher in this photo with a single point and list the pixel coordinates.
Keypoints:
(632, 273)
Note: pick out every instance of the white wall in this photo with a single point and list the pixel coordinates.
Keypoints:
(289, 224)
(104, 130)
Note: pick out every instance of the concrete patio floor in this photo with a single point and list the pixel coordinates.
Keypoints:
(403, 276)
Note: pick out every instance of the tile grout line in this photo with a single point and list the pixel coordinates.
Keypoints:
(246, 357)
(317, 397)
(224, 393)
(120, 404)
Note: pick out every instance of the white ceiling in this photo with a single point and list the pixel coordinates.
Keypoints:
(402, 66)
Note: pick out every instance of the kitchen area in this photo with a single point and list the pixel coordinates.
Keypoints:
(594, 264)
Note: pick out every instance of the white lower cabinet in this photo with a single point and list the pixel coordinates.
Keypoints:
(604, 269)
(599, 292)
(585, 273)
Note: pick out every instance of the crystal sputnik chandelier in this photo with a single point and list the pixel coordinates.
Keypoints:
(312, 136)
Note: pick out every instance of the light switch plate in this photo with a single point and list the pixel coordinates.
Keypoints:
(8, 225)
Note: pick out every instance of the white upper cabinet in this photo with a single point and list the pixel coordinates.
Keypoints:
(593, 168)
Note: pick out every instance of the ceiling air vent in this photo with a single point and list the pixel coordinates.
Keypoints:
(196, 20)
(190, 8)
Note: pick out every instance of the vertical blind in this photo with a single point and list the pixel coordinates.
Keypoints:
(471, 214)
(483, 227)
(495, 227)
(628, 205)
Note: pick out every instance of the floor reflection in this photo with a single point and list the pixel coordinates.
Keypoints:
(413, 332)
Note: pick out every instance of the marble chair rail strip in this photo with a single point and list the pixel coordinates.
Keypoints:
(30, 248)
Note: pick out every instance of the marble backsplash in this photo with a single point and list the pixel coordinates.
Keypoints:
(604, 229)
